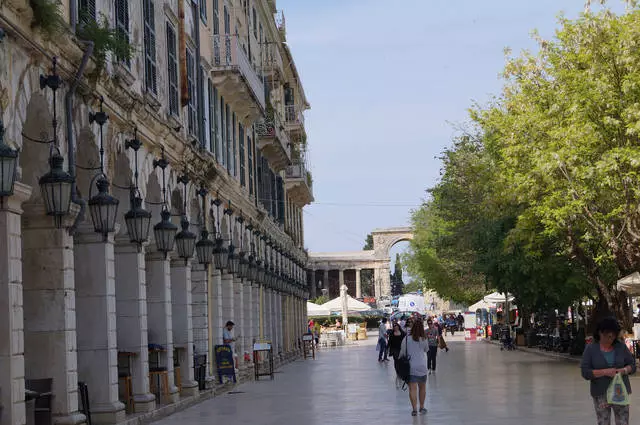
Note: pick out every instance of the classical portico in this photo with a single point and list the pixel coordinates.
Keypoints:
(329, 270)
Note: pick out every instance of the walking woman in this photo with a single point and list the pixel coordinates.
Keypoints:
(416, 347)
(601, 361)
(395, 340)
(433, 338)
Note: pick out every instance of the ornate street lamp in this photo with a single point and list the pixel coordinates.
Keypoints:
(251, 269)
(137, 219)
(8, 166)
(185, 240)
(103, 207)
(165, 230)
(220, 253)
(205, 246)
(55, 185)
(234, 259)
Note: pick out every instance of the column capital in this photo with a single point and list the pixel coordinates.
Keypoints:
(178, 262)
(13, 203)
(154, 255)
(87, 235)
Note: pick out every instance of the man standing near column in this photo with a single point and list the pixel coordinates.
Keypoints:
(382, 341)
(229, 339)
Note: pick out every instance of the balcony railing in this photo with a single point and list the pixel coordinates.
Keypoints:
(273, 59)
(293, 115)
(228, 54)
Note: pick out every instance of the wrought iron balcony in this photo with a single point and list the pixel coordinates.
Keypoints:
(236, 78)
(273, 142)
(299, 183)
(294, 119)
(273, 66)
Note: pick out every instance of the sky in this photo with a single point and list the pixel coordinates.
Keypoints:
(389, 82)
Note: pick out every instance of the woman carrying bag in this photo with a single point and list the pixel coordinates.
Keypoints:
(415, 348)
(607, 362)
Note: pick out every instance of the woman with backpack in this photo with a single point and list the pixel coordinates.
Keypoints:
(415, 348)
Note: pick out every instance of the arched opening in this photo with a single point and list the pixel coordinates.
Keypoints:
(398, 276)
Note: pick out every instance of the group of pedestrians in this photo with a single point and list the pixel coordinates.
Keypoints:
(418, 344)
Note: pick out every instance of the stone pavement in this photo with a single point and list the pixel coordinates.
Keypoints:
(476, 384)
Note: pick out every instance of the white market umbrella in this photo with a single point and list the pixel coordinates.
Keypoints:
(316, 310)
(498, 297)
(352, 305)
(630, 284)
(482, 304)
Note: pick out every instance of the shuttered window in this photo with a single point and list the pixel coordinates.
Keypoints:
(280, 197)
(86, 10)
(250, 163)
(122, 24)
(227, 117)
(216, 18)
(255, 23)
(192, 121)
(150, 65)
(172, 70)
(223, 133)
(213, 128)
(234, 149)
(203, 10)
(241, 149)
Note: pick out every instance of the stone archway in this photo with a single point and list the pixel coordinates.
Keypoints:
(383, 241)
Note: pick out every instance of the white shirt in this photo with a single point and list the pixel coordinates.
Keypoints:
(227, 335)
(382, 331)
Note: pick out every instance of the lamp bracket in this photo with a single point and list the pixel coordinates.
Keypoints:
(134, 143)
(161, 162)
(53, 80)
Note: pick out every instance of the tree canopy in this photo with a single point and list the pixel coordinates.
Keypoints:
(541, 196)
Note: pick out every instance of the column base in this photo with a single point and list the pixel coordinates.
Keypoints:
(108, 413)
(74, 418)
(189, 389)
(144, 403)
(210, 382)
(174, 394)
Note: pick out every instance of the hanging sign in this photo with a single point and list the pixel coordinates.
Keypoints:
(224, 362)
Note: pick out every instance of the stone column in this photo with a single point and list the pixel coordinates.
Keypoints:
(340, 278)
(215, 317)
(247, 332)
(50, 310)
(325, 279)
(255, 306)
(182, 322)
(268, 330)
(97, 324)
(385, 282)
(238, 313)
(311, 275)
(358, 284)
(228, 311)
(11, 308)
(131, 312)
(200, 307)
(377, 279)
(277, 320)
(160, 320)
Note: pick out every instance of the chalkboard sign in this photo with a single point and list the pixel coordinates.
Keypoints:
(224, 362)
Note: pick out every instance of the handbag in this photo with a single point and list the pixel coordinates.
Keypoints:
(442, 344)
(403, 366)
(617, 392)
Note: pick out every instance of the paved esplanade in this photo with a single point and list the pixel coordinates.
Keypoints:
(476, 384)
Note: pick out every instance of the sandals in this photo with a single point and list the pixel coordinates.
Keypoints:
(414, 413)
(423, 411)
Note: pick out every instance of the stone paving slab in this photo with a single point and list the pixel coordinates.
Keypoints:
(476, 383)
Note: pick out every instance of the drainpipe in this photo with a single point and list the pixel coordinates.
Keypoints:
(71, 154)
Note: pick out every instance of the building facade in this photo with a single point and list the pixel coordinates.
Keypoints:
(191, 116)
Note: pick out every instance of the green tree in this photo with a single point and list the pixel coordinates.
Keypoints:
(567, 130)
(368, 244)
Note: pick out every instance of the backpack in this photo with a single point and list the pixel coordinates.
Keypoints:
(403, 366)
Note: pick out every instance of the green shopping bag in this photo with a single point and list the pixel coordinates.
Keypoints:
(617, 392)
